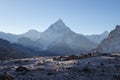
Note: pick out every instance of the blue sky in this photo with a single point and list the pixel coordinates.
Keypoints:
(82, 16)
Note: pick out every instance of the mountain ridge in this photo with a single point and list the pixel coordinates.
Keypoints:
(97, 38)
(111, 43)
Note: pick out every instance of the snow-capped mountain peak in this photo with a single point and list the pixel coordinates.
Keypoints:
(59, 22)
(57, 27)
(61, 38)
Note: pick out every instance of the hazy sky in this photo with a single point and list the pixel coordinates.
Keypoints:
(82, 16)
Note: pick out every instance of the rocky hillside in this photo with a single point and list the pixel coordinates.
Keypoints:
(10, 50)
(112, 43)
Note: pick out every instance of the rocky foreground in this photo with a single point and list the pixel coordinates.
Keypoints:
(104, 67)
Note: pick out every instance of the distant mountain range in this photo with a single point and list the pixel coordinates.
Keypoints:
(8, 36)
(97, 38)
(59, 39)
(32, 34)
